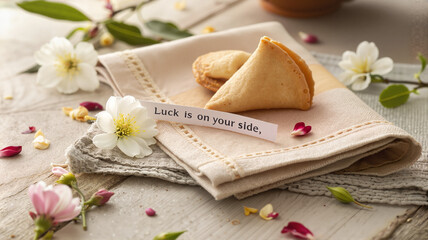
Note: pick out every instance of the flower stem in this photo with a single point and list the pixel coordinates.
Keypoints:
(380, 79)
(362, 205)
(82, 203)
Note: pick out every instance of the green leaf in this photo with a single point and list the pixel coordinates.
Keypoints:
(54, 10)
(128, 33)
(168, 236)
(166, 30)
(394, 96)
(32, 69)
(423, 61)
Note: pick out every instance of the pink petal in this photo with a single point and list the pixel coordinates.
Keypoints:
(300, 129)
(308, 38)
(299, 126)
(298, 230)
(31, 129)
(10, 151)
(92, 106)
(70, 212)
(50, 200)
(59, 171)
(150, 212)
(38, 204)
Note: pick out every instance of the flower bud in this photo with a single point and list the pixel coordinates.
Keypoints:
(168, 235)
(99, 198)
(59, 171)
(68, 179)
(106, 39)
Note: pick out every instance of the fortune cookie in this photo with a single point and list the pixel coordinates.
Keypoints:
(273, 77)
(213, 69)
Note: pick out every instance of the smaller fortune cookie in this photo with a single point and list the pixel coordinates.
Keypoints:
(273, 77)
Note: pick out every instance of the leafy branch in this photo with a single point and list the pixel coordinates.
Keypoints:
(125, 32)
(398, 93)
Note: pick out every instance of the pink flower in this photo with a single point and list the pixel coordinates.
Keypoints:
(300, 129)
(298, 230)
(59, 171)
(99, 198)
(10, 151)
(55, 203)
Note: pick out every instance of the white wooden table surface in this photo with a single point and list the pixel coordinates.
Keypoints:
(398, 27)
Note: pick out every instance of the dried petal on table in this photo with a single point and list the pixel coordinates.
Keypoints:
(10, 151)
(208, 29)
(180, 5)
(248, 210)
(300, 129)
(67, 110)
(150, 212)
(308, 38)
(267, 212)
(31, 129)
(298, 230)
(79, 114)
(92, 106)
(40, 141)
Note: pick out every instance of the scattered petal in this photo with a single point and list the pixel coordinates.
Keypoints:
(265, 211)
(31, 129)
(58, 171)
(92, 106)
(300, 129)
(298, 230)
(40, 141)
(63, 165)
(308, 38)
(180, 5)
(150, 212)
(67, 110)
(89, 118)
(10, 151)
(273, 215)
(8, 97)
(248, 210)
(208, 29)
(235, 222)
(79, 114)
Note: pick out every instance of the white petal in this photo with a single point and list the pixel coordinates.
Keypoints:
(347, 55)
(150, 141)
(128, 146)
(105, 140)
(361, 83)
(368, 51)
(48, 77)
(347, 77)
(382, 66)
(45, 56)
(346, 65)
(67, 86)
(148, 129)
(145, 150)
(112, 105)
(127, 104)
(87, 77)
(105, 122)
(140, 114)
(86, 53)
(61, 46)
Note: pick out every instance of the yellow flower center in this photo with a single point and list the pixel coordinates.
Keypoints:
(67, 65)
(362, 67)
(125, 126)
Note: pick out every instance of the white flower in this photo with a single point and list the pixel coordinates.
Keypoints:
(126, 125)
(360, 65)
(66, 68)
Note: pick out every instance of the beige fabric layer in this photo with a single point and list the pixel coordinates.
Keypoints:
(347, 135)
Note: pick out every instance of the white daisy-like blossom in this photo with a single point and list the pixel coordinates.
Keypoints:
(360, 65)
(67, 68)
(125, 124)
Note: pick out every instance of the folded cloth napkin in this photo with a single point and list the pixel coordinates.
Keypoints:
(347, 135)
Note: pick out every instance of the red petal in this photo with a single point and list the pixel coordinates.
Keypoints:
(10, 151)
(273, 215)
(31, 129)
(298, 126)
(92, 106)
(306, 129)
(298, 230)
